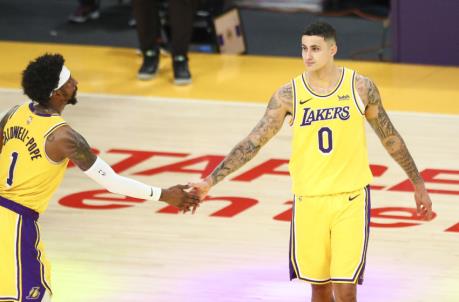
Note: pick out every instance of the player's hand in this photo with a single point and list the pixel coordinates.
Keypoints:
(200, 188)
(179, 198)
(423, 202)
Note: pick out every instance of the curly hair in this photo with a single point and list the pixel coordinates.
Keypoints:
(320, 29)
(41, 76)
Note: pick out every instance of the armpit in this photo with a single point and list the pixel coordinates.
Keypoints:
(361, 84)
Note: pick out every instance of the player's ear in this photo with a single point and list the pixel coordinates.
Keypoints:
(59, 93)
(333, 49)
(55, 93)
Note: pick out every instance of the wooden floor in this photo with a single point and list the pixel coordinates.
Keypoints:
(107, 248)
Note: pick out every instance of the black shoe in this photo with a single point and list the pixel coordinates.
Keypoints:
(149, 66)
(182, 74)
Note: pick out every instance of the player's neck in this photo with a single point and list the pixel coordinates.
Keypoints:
(324, 78)
(46, 110)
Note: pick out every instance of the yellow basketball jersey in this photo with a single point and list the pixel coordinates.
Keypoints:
(329, 150)
(27, 175)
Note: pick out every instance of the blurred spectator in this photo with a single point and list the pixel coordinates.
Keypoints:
(180, 12)
(86, 10)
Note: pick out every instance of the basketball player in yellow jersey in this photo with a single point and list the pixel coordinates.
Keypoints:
(35, 147)
(329, 165)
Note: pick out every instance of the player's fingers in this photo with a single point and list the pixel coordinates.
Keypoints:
(192, 195)
(418, 207)
(429, 211)
(194, 209)
(195, 185)
(183, 187)
(192, 200)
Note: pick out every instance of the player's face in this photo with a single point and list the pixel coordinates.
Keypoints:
(317, 52)
(70, 90)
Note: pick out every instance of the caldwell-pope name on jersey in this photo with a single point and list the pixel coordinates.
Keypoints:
(322, 114)
(22, 134)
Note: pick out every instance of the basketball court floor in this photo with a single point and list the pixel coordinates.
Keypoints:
(105, 247)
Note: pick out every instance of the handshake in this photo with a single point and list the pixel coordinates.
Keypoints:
(187, 197)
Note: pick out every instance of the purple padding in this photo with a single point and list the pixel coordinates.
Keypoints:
(425, 31)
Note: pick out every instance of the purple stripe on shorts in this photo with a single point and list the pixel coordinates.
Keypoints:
(361, 267)
(292, 264)
(18, 256)
(39, 259)
(367, 232)
(17, 208)
(292, 248)
(32, 286)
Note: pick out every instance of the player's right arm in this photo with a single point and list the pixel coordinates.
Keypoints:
(279, 107)
(65, 142)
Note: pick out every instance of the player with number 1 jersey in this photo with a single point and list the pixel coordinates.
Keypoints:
(31, 177)
(36, 145)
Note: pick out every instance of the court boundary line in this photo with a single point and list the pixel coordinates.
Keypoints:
(217, 102)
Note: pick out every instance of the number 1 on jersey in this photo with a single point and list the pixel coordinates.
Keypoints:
(14, 157)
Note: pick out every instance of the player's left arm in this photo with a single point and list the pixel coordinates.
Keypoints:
(3, 121)
(392, 141)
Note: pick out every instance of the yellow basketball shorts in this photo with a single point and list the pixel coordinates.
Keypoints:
(24, 270)
(329, 237)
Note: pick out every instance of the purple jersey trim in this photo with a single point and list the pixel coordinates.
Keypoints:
(305, 83)
(39, 114)
(354, 94)
(294, 103)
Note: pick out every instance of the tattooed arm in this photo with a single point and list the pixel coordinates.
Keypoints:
(392, 141)
(3, 121)
(278, 108)
(67, 143)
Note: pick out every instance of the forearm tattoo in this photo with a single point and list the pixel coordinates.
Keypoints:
(3, 121)
(388, 135)
(241, 153)
(267, 127)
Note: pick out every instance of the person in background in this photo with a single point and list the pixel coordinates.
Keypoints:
(86, 10)
(146, 14)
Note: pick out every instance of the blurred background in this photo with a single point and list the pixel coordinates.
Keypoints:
(408, 31)
(106, 248)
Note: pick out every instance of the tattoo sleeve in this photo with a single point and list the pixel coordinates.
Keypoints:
(278, 108)
(390, 138)
(78, 150)
(3, 121)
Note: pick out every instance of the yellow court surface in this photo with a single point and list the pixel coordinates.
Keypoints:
(105, 247)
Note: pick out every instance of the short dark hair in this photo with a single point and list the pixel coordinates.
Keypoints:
(320, 29)
(41, 77)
